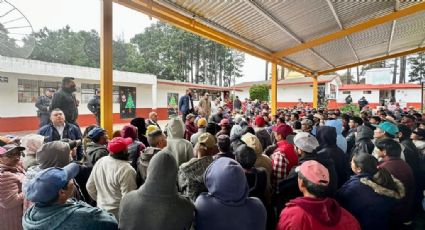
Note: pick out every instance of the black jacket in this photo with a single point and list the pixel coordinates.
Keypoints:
(326, 136)
(94, 105)
(363, 141)
(66, 102)
(42, 104)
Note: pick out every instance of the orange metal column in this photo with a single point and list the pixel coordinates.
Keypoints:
(106, 79)
(315, 91)
(274, 88)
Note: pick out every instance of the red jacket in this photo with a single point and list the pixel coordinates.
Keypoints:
(304, 213)
(190, 130)
(283, 159)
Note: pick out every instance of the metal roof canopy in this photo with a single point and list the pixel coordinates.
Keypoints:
(309, 36)
(313, 37)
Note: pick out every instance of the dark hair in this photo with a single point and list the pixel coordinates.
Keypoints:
(357, 120)
(123, 155)
(153, 137)
(377, 118)
(405, 132)
(66, 80)
(56, 110)
(139, 122)
(319, 191)
(245, 156)
(368, 164)
(413, 118)
(297, 125)
(212, 128)
(281, 119)
(296, 115)
(247, 129)
(390, 146)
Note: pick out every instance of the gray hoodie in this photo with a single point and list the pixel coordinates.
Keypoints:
(180, 148)
(156, 204)
(69, 216)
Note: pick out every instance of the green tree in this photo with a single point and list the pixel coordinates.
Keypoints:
(417, 65)
(260, 92)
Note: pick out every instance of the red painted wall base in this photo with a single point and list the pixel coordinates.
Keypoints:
(13, 124)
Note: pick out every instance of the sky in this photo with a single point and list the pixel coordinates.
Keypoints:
(85, 15)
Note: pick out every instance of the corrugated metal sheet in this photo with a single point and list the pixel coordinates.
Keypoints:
(307, 19)
(309, 60)
(235, 16)
(264, 22)
(409, 32)
(337, 52)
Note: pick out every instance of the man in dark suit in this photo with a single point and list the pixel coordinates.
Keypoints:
(186, 104)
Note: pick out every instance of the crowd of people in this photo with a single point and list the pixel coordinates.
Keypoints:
(217, 167)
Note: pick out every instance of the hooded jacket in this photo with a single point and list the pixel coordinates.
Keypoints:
(156, 204)
(11, 196)
(368, 201)
(227, 205)
(69, 216)
(326, 136)
(402, 212)
(180, 148)
(363, 140)
(313, 213)
(191, 176)
(341, 142)
(143, 163)
(52, 154)
(94, 152)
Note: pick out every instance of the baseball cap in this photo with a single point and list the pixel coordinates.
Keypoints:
(51, 90)
(207, 139)
(119, 144)
(202, 122)
(10, 149)
(419, 132)
(283, 129)
(95, 132)
(306, 142)
(224, 122)
(389, 128)
(46, 184)
(314, 172)
(259, 121)
(318, 116)
(253, 142)
(150, 129)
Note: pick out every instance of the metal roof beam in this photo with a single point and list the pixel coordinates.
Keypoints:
(396, 8)
(404, 53)
(357, 28)
(282, 27)
(331, 6)
(189, 24)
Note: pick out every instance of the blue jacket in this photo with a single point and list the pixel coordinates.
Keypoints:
(369, 202)
(71, 215)
(184, 104)
(227, 205)
(70, 131)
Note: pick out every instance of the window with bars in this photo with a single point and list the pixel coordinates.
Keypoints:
(30, 90)
(89, 90)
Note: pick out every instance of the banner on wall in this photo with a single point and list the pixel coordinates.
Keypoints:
(127, 102)
(172, 104)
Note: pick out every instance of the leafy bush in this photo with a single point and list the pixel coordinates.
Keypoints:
(349, 108)
(260, 92)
